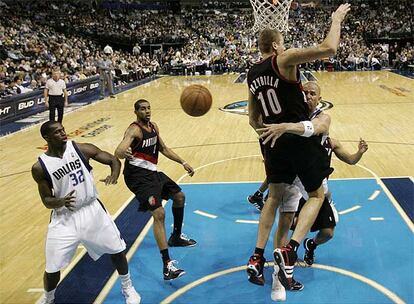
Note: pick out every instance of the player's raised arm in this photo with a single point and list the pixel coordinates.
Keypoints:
(345, 156)
(328, 47)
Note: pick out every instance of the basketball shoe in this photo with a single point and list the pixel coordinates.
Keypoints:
(256, 200)
(46, 300)
(255, 269)
(278, 292)
(296, 286)
(131, 295)
(309, 256)
(181, 241)
(285, 258)
(171, 272)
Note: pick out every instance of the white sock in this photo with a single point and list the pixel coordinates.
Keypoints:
(125, 280)
(50, 295)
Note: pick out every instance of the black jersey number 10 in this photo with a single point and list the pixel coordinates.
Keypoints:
(270, 103)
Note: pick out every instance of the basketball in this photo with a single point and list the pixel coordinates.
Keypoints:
(196, 100)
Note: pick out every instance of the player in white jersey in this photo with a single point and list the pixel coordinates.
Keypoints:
(66, 185)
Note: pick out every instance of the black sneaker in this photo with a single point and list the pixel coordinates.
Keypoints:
(180, 241)
(309, 256)
(254, 269)
(256, 201)
(171, 272)
(296, 286)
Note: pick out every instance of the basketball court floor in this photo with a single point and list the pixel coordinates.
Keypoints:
(370, 259)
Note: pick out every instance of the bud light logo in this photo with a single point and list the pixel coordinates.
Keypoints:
(25, 105)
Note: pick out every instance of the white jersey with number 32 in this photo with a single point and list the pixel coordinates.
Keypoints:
(71, 172)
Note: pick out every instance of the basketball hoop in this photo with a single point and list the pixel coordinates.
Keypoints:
(272, 14)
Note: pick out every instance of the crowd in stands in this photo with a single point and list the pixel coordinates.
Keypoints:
(38, 36)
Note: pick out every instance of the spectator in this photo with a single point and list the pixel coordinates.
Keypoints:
(105, 68)
(108, 50)
(56, 96)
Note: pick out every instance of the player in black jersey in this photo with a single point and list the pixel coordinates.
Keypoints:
(327, 217)
(291, 195)
(140, 147)
(275, 96)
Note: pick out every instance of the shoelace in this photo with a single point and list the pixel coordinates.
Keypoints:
(171, 265)
(184, 237)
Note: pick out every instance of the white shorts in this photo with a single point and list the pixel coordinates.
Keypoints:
(90, 225)
(290, 199)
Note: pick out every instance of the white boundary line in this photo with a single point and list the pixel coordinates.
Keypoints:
(202, 213)
(388, 293)
(36, 290)
(261, 181)
(349, 210)
(374, 195)
(391, 177)
(247, 222)
(376, 219)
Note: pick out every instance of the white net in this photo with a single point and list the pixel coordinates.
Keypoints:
(271, 14)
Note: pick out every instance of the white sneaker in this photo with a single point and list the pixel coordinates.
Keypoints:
(47, 301)
(131, 295)
(278, 291)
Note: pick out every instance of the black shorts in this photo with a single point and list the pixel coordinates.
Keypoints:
(295, 155)
(150, 188)
(326, 217)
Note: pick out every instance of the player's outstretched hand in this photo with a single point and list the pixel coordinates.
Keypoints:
(69, 200)
(128, 154)
(340, 13)
(271, 133)
(189, 169)
(109, 180)
(362, 146)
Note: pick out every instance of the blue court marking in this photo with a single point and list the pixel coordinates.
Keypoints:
(403, 191)
(378, 250)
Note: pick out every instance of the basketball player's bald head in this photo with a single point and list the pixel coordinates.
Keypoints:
(270, 40)
(312, 85)
(312, 92)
